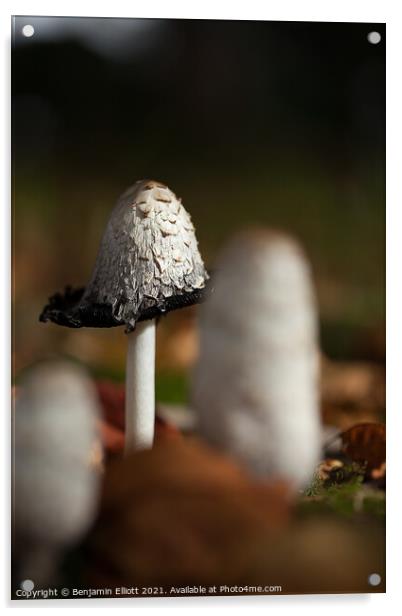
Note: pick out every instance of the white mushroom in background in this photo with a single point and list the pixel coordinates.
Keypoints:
(55, 483)
(255, 386)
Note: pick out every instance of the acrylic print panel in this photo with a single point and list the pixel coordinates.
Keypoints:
(198, 307)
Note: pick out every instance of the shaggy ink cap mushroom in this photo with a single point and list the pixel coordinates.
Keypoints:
(147, 265)
(255, 387)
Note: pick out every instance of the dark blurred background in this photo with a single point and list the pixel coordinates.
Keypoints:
(251, 123)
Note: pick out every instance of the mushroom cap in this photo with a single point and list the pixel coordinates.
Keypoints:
(147, 265)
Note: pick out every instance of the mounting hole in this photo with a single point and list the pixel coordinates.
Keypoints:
(27, 585)
(374, 579)
(374, 37)
(28, 30)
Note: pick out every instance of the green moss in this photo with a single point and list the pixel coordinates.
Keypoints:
(349, 498)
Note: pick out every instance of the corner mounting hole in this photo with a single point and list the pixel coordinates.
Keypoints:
(28, 30)
(374, 579)
(374, 37)
(27, 585)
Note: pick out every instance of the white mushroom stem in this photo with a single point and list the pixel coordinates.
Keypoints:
(140, 387)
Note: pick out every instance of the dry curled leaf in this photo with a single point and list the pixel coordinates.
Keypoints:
(365, 443)
(327, 467)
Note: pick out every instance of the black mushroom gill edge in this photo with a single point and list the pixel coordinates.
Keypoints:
(65, 308)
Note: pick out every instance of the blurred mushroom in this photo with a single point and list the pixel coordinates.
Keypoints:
(148, 264)
(55, 488)
(255, 387)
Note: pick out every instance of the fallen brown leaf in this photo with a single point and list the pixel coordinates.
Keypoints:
(365, 442)
(178, 513)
